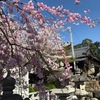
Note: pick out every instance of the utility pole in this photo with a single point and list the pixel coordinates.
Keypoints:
(72, 47)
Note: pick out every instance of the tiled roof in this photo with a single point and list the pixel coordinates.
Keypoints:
(80, 52)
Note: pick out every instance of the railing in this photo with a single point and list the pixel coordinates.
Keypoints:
(34, 96)
(54, 94)
(48, 96)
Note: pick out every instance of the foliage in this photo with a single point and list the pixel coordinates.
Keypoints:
(85, 42)
(49, 86)
(96, 49)
(67, 49)
(31, 89)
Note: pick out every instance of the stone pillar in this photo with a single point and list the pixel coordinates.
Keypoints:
(22, 82)
(8, 85)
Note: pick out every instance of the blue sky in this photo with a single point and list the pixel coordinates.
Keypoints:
(82, 31)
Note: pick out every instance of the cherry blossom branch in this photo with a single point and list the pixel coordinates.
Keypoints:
(41, 56)
(7, 41)
(5, 35)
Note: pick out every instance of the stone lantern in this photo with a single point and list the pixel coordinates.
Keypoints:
(8, 84)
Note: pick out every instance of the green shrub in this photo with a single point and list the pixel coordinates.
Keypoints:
(49, 86)
(31, 89)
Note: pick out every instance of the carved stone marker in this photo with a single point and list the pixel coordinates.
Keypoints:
(8, 84)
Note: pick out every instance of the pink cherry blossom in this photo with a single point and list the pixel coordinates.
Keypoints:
(16, 0)
(30, 39)
(77, 2)
(86, 11)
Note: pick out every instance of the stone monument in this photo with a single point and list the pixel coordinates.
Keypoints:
(8, 84)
